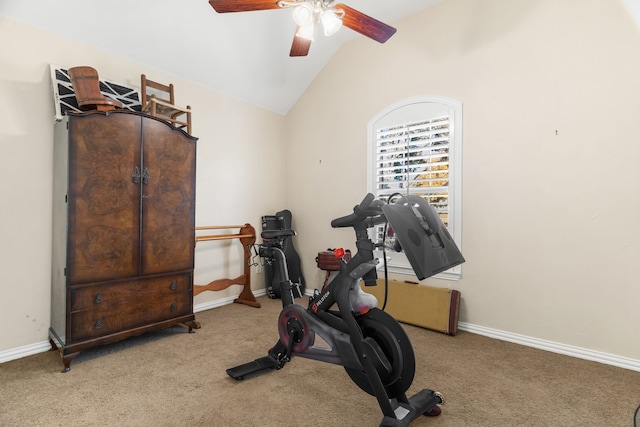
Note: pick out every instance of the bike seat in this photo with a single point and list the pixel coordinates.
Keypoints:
(276, 234)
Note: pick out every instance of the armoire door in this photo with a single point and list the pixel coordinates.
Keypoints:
(168, 194)
(103, 198)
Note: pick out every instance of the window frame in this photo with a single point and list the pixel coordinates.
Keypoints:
(411, 110)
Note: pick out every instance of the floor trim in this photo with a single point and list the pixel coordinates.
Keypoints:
(554, 347)
(24, 351)
(567, 350)
(223, 301)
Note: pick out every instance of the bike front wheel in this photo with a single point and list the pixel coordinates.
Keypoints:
(394, 343)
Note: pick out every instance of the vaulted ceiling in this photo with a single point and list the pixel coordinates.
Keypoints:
(245, 55)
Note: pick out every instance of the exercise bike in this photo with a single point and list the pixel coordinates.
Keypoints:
(370, 344)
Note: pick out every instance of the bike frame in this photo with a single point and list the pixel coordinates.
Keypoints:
(339, 329)
(298, 326)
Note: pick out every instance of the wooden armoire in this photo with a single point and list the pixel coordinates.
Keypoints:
(123, 229)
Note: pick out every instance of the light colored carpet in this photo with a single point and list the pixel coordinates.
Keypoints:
(172, 378)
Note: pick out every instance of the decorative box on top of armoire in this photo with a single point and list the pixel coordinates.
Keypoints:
(123, 229)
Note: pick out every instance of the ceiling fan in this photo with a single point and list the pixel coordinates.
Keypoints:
(307, 13)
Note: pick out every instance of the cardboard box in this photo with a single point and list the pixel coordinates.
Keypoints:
(420, 305)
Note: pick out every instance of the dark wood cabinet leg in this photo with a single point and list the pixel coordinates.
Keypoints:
(66, 360)
(194, 324)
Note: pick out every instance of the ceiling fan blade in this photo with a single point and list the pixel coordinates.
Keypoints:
(365, 25)
(224, 6)
(300, 45)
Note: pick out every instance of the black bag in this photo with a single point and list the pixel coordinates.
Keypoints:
(281, 221)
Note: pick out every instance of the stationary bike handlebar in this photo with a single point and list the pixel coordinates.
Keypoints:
(368, 212)
(365, 215)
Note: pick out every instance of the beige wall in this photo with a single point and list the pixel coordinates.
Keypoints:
(240, 150)
(550, 221)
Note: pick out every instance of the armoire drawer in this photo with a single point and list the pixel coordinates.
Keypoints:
(104, 309)
(95, 297)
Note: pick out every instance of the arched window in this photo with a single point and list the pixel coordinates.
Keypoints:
(415, 147)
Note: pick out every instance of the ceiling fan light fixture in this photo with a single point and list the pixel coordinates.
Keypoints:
(331, 22)
(306, 31)
(304, 14)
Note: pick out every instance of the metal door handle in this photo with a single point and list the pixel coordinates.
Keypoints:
(135, 176)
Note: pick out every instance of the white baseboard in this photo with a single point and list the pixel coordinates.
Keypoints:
(554, 347)
(567, 350)
(24, 351)
(223, 301)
